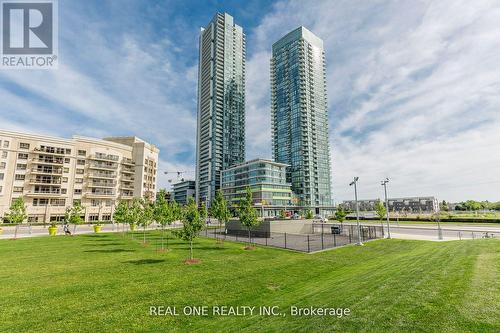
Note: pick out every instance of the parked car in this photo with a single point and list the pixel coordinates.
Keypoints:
(296, 216)
(319, 218)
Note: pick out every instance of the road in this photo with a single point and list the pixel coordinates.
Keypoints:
(431, 232)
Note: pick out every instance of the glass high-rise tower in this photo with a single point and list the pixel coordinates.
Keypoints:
(300, 115)
(221, 103)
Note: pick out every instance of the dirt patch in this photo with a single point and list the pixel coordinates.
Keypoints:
(192, 261)
(249, 248)
(163, 250)
(273, 287)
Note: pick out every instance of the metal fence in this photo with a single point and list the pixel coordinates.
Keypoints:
(323, 236)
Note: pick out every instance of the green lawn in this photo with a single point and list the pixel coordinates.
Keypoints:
(106, 283)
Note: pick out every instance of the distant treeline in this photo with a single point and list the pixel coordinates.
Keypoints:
(472, 205)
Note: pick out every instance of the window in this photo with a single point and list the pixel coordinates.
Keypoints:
(78, 180)
(20, 166)
(6, 144)
(24, 145)
(66, 160)
(82, 153)
(65, 170)
(40, 202)
(1, 188)
(80, 162)
(4, 154)
(79, 171)
(19, 177)
(95, 203)
(2, 165)
(68, 151)
(1, 176)
(18, 189)
(65, 179)
(64, 191)
(58, 202)
(78, 191)
(22, 156)
(94, 217)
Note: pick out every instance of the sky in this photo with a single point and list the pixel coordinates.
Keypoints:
(413, 86)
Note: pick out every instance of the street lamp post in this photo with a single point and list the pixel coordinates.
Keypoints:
(354, 182)
(384, 184)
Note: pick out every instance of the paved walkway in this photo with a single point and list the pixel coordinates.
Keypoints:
(24, 231)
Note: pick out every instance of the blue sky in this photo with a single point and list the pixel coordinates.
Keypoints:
(413, 86)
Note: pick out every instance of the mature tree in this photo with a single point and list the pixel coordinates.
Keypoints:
(165, 213)
(121, 213)
(248, 214)
(145, 216)
(220, 209)
(73, 215)
(192, 224)
(17, 213)
(380, 210)
(340, 214)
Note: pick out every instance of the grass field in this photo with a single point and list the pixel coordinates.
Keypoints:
(107, 282)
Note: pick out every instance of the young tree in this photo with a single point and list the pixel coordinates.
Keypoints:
(192, 225)
(309, 214)
(165, 213)
(73, 215)
(134, 213)
(340, 214)
(203, 212)
(146, 215)
(248, 214)
(17, 213)
(121, 213)
(219, 209)
(380, 209)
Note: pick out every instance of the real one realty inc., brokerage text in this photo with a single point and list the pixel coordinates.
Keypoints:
(227, 310)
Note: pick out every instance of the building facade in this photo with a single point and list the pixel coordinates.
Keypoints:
(299, 116)
(406, 205)
(221, 103)
(52, 173)
(267, 181)
(183, 191)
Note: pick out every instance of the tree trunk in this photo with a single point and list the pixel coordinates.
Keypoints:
(162, 236)
(74, 229)
(144, 234)
(249, 238)
(191, 249)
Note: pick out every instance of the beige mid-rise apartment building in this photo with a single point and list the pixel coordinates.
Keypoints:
(53, 173)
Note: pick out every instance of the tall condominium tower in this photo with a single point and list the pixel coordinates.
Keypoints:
(221, 103)
(300, 115)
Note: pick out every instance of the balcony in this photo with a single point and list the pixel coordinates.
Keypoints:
(50, 161)
(103, 165)
(104, 157)
(44, 192)
(100, 194)
(43, 181)
(128, 170)
(128, 161)
(47, 171)
(127, 179)
(50, 150)
(127, 187)
(108, 184)
(105, 175)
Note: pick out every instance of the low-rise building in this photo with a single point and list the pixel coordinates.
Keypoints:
(183, 191)
(52, 173)
(408, 205)
(267, 181)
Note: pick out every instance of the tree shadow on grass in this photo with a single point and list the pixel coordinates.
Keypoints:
(144, 261)
(110, 251)
(103, 244)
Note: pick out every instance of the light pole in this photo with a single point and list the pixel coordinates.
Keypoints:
(354, 182)
(384, 184)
